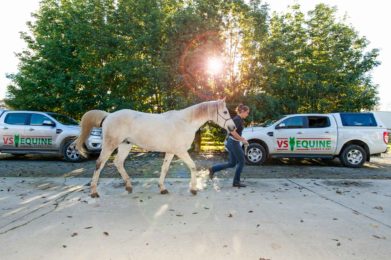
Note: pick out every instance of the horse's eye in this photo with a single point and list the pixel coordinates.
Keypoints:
(225, 112)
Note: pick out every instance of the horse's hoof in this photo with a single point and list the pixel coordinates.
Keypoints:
(194, 192)
(129, 189)
(94, 195)
(164, 192)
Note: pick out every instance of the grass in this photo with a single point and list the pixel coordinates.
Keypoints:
(208, 144)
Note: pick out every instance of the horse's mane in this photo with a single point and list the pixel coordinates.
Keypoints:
(195, 112)
(203, 109)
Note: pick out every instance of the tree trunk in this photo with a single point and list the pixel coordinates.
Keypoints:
(197, 141)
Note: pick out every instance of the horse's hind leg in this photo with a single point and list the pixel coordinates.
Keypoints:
(166, 164)
(123, 151)
(190, 163)
(100, 163)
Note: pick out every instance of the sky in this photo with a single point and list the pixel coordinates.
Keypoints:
(369, 18)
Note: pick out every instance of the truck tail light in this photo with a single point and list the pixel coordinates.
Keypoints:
(385, 137)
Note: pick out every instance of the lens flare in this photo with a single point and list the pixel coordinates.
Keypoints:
(214, 66)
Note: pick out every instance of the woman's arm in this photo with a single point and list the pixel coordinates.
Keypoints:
(238, 137)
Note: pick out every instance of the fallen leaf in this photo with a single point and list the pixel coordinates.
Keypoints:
(105, 233)
(87, 227)
(379, 237)
(230, 215)
(74, 234)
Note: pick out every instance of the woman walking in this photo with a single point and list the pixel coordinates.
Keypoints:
(236, 154)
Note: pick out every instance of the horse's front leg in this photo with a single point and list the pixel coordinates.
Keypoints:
(166, 164)
(190, 163)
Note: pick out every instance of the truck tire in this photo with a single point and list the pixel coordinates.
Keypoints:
(255, 154)
(353, 156)
(71, 154)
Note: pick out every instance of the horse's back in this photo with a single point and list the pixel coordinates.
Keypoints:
(142, 116)
(154, 132)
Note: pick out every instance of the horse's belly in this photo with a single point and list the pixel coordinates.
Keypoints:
(159, 145)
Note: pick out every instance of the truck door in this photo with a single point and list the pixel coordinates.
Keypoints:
(41, 133)
(285, 134)
(13, 129)
(312, 134)
(320, 137)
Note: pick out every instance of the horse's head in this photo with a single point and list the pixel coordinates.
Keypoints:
(223, 117)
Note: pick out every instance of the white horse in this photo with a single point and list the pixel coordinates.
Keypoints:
(171, 132)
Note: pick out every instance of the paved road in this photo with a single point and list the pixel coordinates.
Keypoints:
(54, 218)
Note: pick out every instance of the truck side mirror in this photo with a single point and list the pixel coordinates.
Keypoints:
(48, 123)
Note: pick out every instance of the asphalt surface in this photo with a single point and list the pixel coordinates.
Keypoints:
(54, 218)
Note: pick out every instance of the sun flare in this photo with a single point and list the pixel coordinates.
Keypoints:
(214, 66)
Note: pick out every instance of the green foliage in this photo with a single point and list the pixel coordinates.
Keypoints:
(151, 55)
(316, 64)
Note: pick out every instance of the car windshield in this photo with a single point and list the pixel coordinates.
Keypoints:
(65, 120)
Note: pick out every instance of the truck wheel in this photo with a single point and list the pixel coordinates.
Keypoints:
(353, 156)
(71, 154)
(255, 154)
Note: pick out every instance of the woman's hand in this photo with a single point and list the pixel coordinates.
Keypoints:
(239, 138)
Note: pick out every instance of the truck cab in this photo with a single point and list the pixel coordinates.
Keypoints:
(351, 136)
(35, 132)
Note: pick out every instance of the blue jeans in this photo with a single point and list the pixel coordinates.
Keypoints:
(236, 157)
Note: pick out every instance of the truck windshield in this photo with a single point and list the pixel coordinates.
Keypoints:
(65, 120)
(270, 121)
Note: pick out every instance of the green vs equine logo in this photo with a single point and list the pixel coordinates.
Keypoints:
(27, 141)
(303, 144)
(17, 140)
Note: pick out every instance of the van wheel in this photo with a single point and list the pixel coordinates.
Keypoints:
(255, 154)
(353, 156)
(71, 154)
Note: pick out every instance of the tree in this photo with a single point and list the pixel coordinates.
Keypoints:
(151, 56)
(317, 64)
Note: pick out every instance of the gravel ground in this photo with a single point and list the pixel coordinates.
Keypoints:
(148, 165)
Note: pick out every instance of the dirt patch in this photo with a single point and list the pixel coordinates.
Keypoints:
(347, 183)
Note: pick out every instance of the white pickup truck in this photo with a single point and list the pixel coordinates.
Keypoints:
(34, 132)
(353, 137)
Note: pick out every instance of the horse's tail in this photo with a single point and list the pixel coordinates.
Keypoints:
(93, 118)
